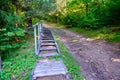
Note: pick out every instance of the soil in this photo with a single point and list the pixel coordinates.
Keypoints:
(98, 59)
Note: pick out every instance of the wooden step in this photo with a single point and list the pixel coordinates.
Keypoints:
(44, 69)
(45, 49)
(47, 40)
(48, 44)
(43, 52)
(46, 36)
(46, 32)
(42, 42)
(48, 54)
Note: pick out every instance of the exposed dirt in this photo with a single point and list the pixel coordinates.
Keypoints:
(99, 60)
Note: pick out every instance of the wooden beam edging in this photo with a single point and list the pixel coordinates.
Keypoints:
(55, 42)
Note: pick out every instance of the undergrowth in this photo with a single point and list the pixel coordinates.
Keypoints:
(17, 65)
(69, 60)
(100, 34)
(108, 33)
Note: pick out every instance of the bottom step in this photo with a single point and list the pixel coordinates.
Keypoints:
(57, 77)
(49, 69)
(45, 49)
(47, 54)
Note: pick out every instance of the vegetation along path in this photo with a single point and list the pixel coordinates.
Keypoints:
(99, 60)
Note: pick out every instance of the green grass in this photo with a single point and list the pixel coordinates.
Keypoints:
(19, 63)
(100, 34)
(103, 33)
(69, 60)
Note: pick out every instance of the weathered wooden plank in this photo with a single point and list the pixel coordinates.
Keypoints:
(46, 68)
(45, 49)
(47, 44)
(57, 77)
(48, 54)
(47, 40)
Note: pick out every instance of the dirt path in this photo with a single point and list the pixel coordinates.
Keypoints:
(98, 59)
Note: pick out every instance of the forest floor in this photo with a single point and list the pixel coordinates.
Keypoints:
(98, 59)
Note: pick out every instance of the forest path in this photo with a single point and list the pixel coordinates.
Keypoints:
(99, 60)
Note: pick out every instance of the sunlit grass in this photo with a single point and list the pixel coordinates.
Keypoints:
(35, 20)
(101, 34)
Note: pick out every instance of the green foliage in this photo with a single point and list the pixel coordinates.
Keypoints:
(104, 33)
(91, 14)
(9, 31)
(8, 38)
(19, 63)
(35, 20)
(4, 76)
(88, 22)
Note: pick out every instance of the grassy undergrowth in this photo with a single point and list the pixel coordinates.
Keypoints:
(69, 60)
(18, 64)
(102, 34)
(109, 33)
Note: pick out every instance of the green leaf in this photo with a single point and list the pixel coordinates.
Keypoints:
(20, 32)
(10, 34)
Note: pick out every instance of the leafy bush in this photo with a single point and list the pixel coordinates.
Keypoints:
(19, 62)
(89, 22)
(92, 14)
(10, 29)
(8, 38)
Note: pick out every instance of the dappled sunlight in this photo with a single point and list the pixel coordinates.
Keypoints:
(100, 36)
(57, 38)
(74, 40)
(90, 39)
(45, 60)
(115, 60)
(48, 25)
(110, 37)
